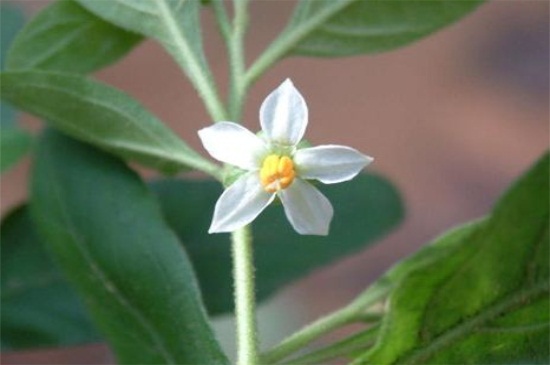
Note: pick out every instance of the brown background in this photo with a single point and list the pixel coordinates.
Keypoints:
(451, 120)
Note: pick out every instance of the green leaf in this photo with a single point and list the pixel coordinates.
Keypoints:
(101, 115)
(8, 115)
(173, 23)
(66, 37)
(15, 143)
(483, 298)
(365, 209)
(107, 232)
(329, 28)
(38, 307)
(350, 27)
(11, 21)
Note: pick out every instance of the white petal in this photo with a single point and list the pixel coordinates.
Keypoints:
(330, 164)
(234, 144)
(283, 115)
(240, 204)
(307, 209)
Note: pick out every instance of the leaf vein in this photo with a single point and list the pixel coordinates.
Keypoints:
(445, 338)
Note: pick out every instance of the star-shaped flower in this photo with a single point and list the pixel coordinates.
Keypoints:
(277, 166)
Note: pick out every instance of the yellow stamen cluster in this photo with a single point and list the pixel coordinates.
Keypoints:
(277, 173)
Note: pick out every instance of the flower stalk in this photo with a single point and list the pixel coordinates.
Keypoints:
(237, 65)
(245, 302)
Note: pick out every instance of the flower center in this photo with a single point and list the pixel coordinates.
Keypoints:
(277, 173)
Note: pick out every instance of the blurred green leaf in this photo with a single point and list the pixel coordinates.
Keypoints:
(11, 21)
(350, 27)
(38, 307)
(8, 115)
(101, 115)
(14, 144)
(66, 37)
(107, 232)
(365, 209)
(478, 295)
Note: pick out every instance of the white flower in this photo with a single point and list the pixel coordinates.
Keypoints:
(277, 167)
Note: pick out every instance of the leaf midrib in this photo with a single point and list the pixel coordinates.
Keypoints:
(60, 44)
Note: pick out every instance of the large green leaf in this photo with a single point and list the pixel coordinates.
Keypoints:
(14, 144)
(38, 307)
(66, 37)
(365, 209)
(330, 28)
(101, 115)
(479, 294)
(107, 233)
(349, 27)
(173, 23)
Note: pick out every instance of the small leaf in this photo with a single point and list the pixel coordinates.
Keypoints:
(38, 307)
(101, 115)
(15, 144)
(365, 209)
(108, 235)
(66, 37)
(483, 296)
(350, 27)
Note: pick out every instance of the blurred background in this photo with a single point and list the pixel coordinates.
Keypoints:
(452, 120)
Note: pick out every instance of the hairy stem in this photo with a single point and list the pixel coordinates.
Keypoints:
(198, 75)
(235, 45)
(356, 311)
(306, 335)
(245, 311)
(243, 258)
(358, 341)
(221, 19)
(291, 36)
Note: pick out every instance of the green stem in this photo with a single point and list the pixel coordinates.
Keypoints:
(221, 19)
(238, 86)
(353, 312)
(198, 74)
(291, 36)
(243, 277)
(307, 334)
(341, 348)
(204, 165)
